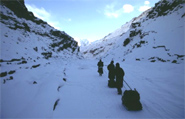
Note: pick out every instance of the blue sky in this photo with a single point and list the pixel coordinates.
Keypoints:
(88, 19)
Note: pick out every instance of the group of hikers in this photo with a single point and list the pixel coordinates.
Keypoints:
(115, 72)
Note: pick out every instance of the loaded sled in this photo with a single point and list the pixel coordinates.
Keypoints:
(131, 99)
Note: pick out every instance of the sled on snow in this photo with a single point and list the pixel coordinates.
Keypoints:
(131, 99)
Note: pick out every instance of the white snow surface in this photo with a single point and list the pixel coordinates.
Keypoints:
(85, 94)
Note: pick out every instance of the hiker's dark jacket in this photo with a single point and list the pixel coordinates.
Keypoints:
(119, 76)
(100, 67)
(100, 64)
(111, 69)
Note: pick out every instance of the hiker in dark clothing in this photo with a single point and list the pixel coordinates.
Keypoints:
(111, 69)
(119, 78)
(100, 67)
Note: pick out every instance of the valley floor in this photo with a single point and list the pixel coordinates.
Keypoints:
(85, 94)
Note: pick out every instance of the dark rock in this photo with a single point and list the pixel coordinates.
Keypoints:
(160, 59)
(11, 72)
(164, 7)
(174, 61)
(11, 77)
(35, 66)
(183, 15)
(36, 49)
(3, 74)
(58, 89)
(12, 60)
(24, 62)
(19, 9)
(136, 24)
(47, 55)
(64, 79)
(152, 60)
(56, 103)
(126, 42)
(135, 33)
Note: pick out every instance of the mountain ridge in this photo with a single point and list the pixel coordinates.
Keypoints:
(143, 34)
(16, 19)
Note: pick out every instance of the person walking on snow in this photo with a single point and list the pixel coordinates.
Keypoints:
(100, 67)
(111, 69)
(119, 78)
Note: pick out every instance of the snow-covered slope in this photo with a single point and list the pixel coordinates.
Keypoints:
(27, 41)
(23, 35)
(155, 35)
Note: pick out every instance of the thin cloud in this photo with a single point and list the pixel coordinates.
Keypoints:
(45, 16)
(111, 11)
(39, 12)
(145, 6)
(127, 8)
(146, 2)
